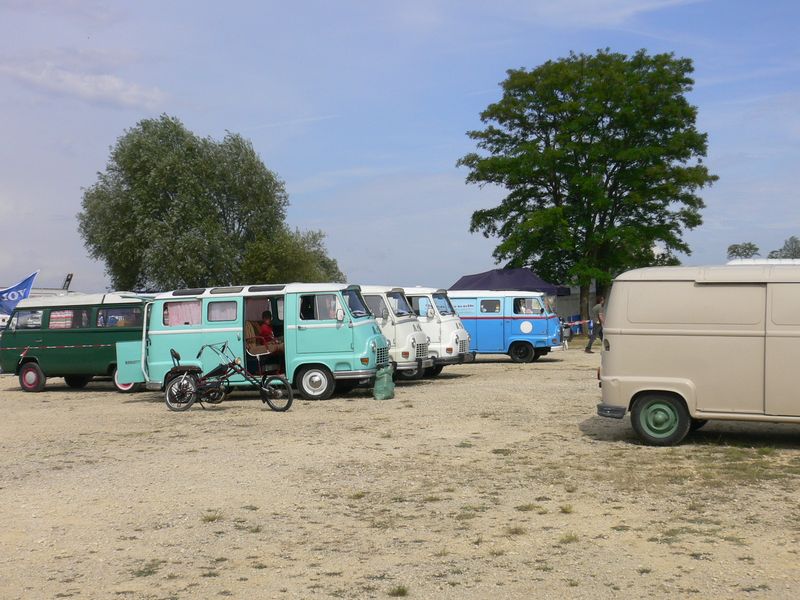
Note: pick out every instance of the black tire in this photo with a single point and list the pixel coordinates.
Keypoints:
(410, 374)
(433, 371)
(31, 377)
(181, 392)
(215, 396)
(660, 419)
(276, 392)
(521, 352)
(125, 388)
(697, 424)
(315, 383)
(345, 386)
(77, 381)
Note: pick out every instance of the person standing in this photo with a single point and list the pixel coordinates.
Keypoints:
(598, 318)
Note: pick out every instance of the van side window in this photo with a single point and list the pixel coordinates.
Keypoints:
(376, 305)
(123, 316)
(221, 311)
(490, 306)
(69, 319)
(27, 319)
(178, 314)
(526, 306)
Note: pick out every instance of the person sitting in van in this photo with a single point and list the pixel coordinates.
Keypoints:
(265, 331)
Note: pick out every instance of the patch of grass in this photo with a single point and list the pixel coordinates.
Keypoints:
(432, 498)
(570, 487)
(566, 509)
(442, 552)
(572, 582)
(357, 495)
(501, 451)
(528, 507)
(398, 591)
(209, 573)
(515, 530)
(644, 570)
(259, 565)
(621, 527)
(568, 538)
(254, 529)
(250, 507)
(464, 444)
(148, 569)
(211, 516)
(496, 552)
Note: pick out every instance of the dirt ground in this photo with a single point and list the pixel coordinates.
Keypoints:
(494, 480)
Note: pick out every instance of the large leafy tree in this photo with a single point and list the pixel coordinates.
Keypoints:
(602, 163)
(743, 250)
(790, 249)
(173, 209)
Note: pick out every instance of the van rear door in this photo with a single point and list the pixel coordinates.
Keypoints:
(782, 346)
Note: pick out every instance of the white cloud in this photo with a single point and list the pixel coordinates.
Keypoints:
(90, 87)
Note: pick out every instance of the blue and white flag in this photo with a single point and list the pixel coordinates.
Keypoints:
(10, 296)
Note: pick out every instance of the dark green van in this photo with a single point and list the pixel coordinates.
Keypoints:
(72, 336)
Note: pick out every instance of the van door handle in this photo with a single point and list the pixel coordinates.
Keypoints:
(302, 327)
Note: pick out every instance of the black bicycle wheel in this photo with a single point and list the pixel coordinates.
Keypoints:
(181, 392)
(276, 392)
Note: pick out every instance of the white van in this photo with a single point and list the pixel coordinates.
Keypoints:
(449, 340)
(684, 345)
(408, 344)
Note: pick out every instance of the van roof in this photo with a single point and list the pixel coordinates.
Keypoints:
(493, 294)
(80, 300)
(380, 289)
(423, 290)
(737, 273)
(254, 290)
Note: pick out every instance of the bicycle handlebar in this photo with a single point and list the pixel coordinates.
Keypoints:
(213, 347)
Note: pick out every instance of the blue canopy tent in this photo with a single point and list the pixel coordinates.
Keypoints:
(522, 279)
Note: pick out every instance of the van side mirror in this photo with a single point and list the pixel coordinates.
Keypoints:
(430, 313)
(385, 314)
(340, 314)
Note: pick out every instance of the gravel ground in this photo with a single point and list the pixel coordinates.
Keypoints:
(492, 480)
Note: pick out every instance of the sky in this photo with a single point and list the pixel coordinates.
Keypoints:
(363, 108)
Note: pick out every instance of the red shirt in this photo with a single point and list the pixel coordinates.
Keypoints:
(266, 332)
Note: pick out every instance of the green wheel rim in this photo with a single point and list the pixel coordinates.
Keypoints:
(659, 419)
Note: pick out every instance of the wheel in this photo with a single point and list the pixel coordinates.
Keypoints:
(181, 392)
(521, 352)
(660, 420)
(343, 386)
(125, 388)
(276, 392)
(433, 371)
(697, 424)
(410, 374)
(77, 381)
(31, 378)
(315, 383)
(215, 396)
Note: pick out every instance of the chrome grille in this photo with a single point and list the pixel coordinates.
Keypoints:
(463, 346)
(382, 358)
(422, 350)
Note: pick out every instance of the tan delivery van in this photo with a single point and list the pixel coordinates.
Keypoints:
(684, 345)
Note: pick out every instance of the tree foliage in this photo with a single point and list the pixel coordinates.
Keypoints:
(173, 209)
(790, 249)
(602, 163)
(743, 250)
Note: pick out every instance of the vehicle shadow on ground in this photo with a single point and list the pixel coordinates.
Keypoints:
(719, 433)
(502, 358)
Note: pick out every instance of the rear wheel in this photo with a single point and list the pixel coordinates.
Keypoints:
(276, 392)
(433, 371)
(125, 388)
(77, 381)
(315, 383)
(31, 378)
(521, 352)
(660, 419)
(181, 392)
(410, 374)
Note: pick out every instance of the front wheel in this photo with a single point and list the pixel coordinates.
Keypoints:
(31, 377)
(125, 388)
(77, 381)
(410, 374)
(181, 392)
(433, 371)
(315, 383)
(276, 392)
(521, 352)
(660, 419)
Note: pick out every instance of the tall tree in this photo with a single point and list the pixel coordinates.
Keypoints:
(173, 209)
(790, 249)
(602, 163)
(743, 250)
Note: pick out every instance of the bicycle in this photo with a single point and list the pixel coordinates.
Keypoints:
(187, 384)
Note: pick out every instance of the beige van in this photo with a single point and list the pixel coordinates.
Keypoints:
(687, 344)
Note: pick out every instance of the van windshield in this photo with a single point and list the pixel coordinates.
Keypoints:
(443, 304)
(358, 308)
(399, 303)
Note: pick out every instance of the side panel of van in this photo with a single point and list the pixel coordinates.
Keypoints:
(782, 349)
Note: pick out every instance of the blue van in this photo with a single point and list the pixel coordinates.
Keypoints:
(326, 340)
(520, 324)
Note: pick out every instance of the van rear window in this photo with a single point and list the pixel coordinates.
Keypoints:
(123, 316)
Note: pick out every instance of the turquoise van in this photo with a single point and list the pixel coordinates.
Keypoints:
(326, 340)
(520, 324)
(71, 336)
